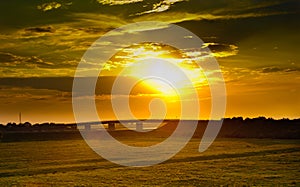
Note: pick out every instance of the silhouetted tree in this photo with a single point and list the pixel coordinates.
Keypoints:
(10, 125)
(27, 124)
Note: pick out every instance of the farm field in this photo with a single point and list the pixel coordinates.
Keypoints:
(228, 162)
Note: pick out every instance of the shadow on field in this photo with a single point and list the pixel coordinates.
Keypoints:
(61, 168)
(103, 164)
(233, 155)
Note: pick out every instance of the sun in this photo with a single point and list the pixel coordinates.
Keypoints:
(158, 73)
(161, 67)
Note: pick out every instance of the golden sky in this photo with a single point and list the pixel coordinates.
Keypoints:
(254, 42)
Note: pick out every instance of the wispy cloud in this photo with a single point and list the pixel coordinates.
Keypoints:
(273, 69)
(161, 6)
(177, 17)
(218, 50)
(260, 76)
(11, 60)
(45, 7)
(103, 21)
(40, 29)
(117, 2)
(247, 6)
(49, 6)
(233, 9)
(12, 65)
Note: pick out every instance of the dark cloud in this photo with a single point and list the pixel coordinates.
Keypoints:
(95, 30)
(217, 47)
(47, 29)
(278, 69)
(222, 50)
(270, 69)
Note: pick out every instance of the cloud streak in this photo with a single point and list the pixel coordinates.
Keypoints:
(177, 17)
(274, 69)
(11, 60)
(117, 2)
(41, 29)
(161, 6)
(49, 6)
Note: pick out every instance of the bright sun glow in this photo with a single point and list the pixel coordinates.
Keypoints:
(161, 86)
(163, 68)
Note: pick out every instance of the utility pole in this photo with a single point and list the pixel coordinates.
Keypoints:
(20, 118)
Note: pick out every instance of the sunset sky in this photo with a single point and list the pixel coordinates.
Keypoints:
(256, 44)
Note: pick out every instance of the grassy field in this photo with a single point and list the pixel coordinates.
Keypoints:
(228, 162)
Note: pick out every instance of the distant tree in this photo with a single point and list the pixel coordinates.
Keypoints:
(284, 119)
(10, 124)
(27, 124)
(44, 124)
(261, 118)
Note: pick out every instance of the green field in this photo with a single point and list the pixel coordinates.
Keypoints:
(228, 162)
